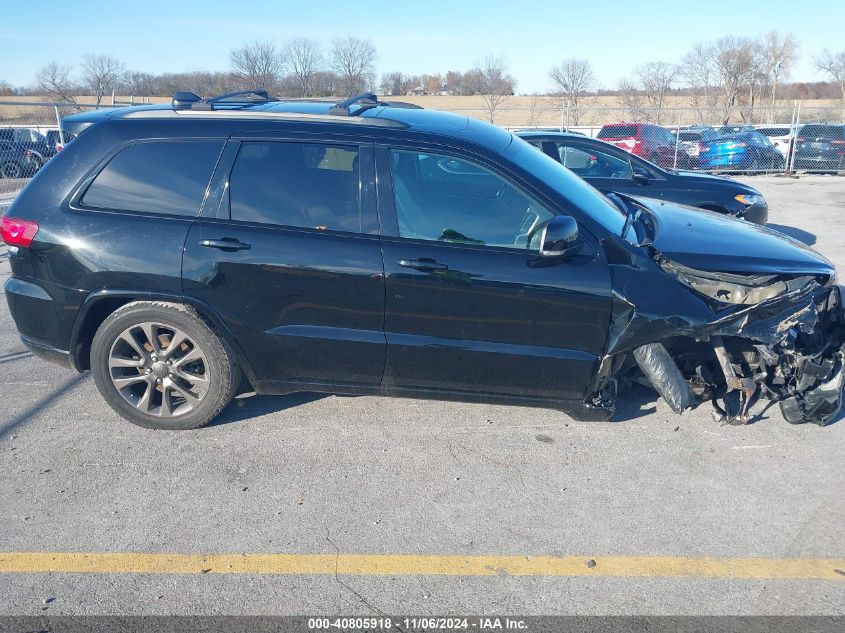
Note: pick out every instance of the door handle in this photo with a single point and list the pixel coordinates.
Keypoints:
(424, 263)
(226, 243)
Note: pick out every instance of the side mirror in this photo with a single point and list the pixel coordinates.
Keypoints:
(641, 175)
(560, 237)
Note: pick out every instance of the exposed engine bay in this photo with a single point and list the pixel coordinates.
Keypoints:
(730, 339)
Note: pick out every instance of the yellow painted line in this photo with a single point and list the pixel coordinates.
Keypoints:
(423, 565)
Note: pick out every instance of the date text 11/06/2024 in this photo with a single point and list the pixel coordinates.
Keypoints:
(420, 623)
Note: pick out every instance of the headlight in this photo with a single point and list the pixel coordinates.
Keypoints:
(750, 198)
(742, 294)
(735, 289)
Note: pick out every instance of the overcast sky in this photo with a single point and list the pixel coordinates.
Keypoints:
(414, 37)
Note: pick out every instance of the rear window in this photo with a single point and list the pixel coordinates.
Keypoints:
(618, 131)
(774, 131)
(822, 131)
(167, 177)
(690, 136)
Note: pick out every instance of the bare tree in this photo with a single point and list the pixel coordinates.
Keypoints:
(631, 99)
(55, 79)
(140, 84)
(325, 83)
(574, 80)
(353, 59)
(699, 69)
(257, 65)
(736, 60)
(779, 54)
(102, 74)
(453, 82)
(395, 83)
(834, 65)
(433, 83)
(302, 59)
(655, 82)
(472, 82)
(496, 84)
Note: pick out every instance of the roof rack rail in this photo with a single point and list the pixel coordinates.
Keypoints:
(366, 100)
(191, 101)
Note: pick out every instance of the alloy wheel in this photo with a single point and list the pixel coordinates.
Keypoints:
(159, 369)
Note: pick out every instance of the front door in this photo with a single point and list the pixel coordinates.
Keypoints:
(471, 307)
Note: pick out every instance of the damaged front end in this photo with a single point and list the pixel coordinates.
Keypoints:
(729, 338)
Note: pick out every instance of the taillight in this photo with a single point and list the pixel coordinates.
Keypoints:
(27, 153)
(17, 232)
(59, 147)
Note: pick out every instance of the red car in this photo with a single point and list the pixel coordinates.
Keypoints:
(652, 142)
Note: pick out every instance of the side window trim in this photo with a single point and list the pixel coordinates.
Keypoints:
(216, 205)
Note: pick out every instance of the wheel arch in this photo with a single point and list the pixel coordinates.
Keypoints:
(100, 304)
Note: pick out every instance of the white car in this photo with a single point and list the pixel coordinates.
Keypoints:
(781, 136)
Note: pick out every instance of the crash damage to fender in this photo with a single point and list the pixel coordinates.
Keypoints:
(725, 337)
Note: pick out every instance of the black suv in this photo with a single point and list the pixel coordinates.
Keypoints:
(370, 248)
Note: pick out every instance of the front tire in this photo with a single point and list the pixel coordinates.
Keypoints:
(160, 366)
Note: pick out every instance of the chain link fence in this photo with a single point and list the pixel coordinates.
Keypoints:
(30, 135)
(781, 139)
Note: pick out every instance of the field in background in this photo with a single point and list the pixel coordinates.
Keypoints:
(512, 111)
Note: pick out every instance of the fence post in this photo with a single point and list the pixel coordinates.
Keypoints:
(678, 137)
(791, 161)
(59, 123)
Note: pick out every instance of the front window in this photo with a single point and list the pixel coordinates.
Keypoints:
(447, 199)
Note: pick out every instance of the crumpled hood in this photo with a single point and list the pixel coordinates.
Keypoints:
(711, 241)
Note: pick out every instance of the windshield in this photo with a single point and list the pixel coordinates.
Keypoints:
(567, 184)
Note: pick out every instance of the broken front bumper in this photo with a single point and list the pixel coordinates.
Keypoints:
(789, 348)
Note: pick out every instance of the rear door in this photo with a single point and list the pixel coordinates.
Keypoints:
(289, 258)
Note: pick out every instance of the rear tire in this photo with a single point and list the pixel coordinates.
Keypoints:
(10, 170)
(160, 366)
(37, 164)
